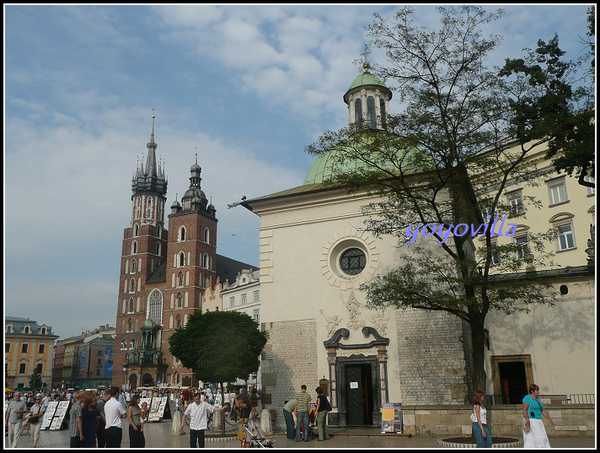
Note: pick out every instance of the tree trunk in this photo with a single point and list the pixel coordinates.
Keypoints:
(478, 344)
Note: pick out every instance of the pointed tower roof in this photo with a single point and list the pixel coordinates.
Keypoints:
(150, 179)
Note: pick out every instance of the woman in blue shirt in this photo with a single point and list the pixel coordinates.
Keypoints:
(533, 410)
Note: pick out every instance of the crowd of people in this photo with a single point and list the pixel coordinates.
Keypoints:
(96, 418)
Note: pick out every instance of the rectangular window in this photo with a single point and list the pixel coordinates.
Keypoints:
(6, 348)
(495, 259)
(39, 368)
(566, 239)
(232, 301)
(244, 298)
(24, 348)
(558, 192)
(256, 315)
(22, 368)
(523, 247)
(515, 201)
(256, 296)
(42, 348)
(590, 190)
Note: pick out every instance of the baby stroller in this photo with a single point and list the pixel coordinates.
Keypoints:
(255, 436)
(312, 422)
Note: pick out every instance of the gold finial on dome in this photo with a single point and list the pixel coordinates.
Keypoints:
(366, 66)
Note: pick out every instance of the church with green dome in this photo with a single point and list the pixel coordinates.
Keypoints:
(316, 252)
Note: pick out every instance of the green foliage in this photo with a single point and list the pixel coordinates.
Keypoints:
(443, 160)
(35, 381)
(550, 103)
(219, 346)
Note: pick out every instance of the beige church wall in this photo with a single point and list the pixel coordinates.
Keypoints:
(559, 340)
(300, 286)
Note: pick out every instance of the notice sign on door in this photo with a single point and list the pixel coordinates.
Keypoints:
(353, 385)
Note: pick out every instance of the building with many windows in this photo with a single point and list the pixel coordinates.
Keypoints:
(243, 294)
(85, 361)
(164, 273)
(28, 350)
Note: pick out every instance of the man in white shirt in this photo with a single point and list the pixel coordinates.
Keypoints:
(198, 413)
(113, 413)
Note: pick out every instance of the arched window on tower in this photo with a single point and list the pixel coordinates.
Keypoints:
(181, 259)
(383, 113)
(134, 247)
(205, 261)
(179, 301)
(178, 322)
(155, 303)
(131, 306)
(358, 111)
(371, 112)
(136, 230)
(158, 248)
(181, 235)
(133, 266)
(149, 208)
(180, 279)
(132, 285)
(206, 235)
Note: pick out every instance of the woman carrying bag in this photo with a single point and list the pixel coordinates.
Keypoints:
(479, 419)
(534, 432)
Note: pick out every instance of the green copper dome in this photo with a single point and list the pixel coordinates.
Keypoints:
(366, 78)
(323, 168)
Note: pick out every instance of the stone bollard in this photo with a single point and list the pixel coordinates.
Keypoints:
(265, 421)
(176, 425)
(217, 415)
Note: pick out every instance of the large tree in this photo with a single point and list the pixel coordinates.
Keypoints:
(444, 160)
(219, 346)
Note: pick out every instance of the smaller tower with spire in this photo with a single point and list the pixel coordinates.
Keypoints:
(368, 100)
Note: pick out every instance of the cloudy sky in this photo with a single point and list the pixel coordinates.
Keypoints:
(245, 87)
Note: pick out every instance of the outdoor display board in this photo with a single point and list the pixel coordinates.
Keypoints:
(391, 418)
(47, 418)
(159, 409)
(59, 415)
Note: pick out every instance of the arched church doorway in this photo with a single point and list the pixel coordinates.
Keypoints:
(133, 381)
(147, 380)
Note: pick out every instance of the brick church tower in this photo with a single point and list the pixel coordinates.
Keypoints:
(190, 266)
(162, 276)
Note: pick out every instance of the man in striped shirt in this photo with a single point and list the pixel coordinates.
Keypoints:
(302, 406)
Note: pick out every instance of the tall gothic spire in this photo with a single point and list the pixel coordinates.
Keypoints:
(151, 178)
(151, 159)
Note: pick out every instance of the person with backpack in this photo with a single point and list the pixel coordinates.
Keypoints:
(323, 408)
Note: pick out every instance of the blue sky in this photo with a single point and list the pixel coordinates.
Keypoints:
(245, 87)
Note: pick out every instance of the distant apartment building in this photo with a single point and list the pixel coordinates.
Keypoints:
(86, 360)
(28, 349)
(243, 295)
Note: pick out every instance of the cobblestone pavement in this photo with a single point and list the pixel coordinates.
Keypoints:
(158, 437)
